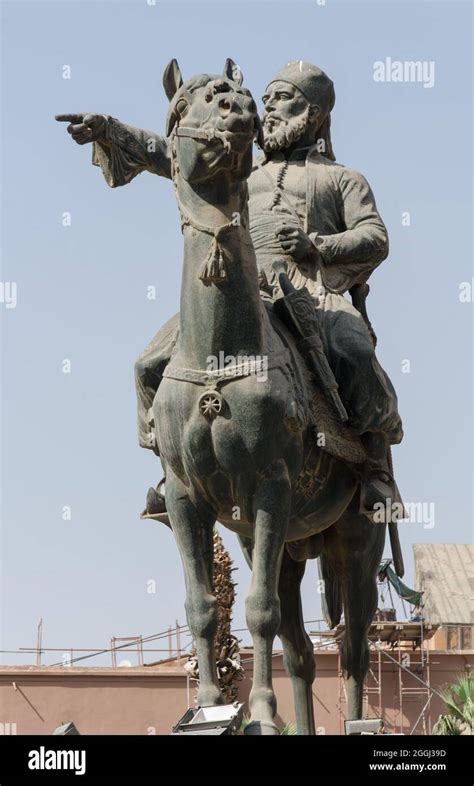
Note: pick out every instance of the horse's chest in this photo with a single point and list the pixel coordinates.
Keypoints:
(183, 432)
(201, 433)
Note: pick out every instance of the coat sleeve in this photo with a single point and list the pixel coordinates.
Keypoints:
(353, 253)
(125, 151)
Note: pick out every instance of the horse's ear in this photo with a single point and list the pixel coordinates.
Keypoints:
(232, 71)
(172, 78)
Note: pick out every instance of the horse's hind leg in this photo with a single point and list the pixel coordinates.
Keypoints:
(193, 531)
(354, 547)
(297, 646)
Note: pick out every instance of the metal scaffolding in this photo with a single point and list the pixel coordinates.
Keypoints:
(403, 645)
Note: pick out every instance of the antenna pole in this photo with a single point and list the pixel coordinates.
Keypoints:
(39, 639)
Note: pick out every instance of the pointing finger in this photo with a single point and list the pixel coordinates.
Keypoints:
(74, 118)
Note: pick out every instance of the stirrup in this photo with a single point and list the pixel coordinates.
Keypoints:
(155, 502)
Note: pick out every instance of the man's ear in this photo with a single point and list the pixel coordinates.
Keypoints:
(172, 78)
(315, 114)
(232, 71)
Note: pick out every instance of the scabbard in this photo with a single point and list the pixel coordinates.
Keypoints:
(297, 310)
(312, 349)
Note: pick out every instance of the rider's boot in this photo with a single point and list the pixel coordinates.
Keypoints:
(380, 498)
(155, 508)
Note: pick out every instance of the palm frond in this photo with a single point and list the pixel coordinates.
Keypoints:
(459, 700)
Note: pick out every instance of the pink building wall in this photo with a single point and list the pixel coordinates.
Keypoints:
(149, 700)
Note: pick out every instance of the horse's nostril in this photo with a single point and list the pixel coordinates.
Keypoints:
(225, 105)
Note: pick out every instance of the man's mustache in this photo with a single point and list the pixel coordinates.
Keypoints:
(268, 118)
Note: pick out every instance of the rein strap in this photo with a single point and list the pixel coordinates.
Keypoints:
(194, 133)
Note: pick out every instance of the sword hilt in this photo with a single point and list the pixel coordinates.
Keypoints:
(280, 267)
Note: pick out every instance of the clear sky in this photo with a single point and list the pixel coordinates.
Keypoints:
(70, 439)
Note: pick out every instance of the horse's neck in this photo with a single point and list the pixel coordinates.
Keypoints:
(227, 317)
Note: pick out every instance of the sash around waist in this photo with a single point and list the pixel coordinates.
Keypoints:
(262, 231)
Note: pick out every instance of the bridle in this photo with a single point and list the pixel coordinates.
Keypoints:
(213, 269)
(209, 134)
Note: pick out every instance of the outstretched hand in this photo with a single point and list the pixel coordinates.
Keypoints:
(84, 127)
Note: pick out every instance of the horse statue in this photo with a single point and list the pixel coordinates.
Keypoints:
(239, 443)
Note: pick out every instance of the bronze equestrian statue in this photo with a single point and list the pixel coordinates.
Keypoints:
(263, 397)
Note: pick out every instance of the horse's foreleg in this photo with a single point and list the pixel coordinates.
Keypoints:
(297, 646)
(193, 531)
(272, 506)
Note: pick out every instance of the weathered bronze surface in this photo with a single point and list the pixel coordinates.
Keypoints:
(263, 397)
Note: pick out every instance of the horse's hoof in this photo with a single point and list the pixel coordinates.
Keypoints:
(261, 728)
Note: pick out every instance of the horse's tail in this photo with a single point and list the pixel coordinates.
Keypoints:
(331, 595)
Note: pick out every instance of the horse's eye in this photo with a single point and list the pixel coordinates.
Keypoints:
(182, 106)
(208, 97)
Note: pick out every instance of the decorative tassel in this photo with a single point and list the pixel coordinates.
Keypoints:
(213, 269)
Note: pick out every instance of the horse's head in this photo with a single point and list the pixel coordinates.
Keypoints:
(214, 121)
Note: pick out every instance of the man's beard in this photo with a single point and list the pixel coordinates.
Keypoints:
(286, 132)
